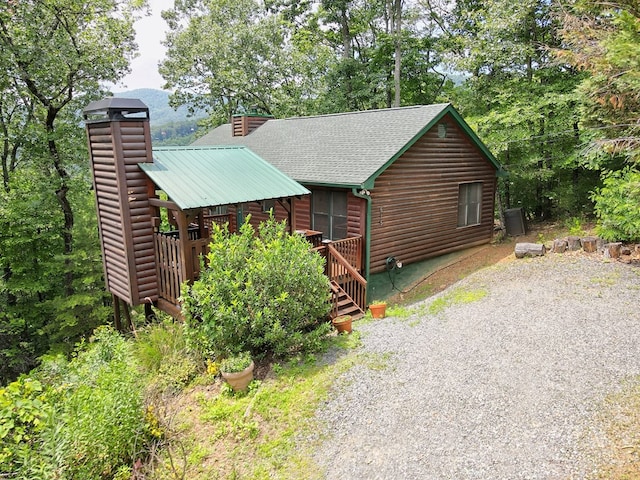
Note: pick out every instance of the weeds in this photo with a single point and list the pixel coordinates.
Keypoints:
(620, 419)
(455, 297)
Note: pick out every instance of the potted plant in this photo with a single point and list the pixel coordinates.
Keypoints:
(378, 308)
(237, 370)
(342, 323)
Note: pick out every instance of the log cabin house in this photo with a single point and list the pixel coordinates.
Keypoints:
(412, 182)
(367, 189)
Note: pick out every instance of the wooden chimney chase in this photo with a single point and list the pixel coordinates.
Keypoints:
(119, 138)
(242, 125)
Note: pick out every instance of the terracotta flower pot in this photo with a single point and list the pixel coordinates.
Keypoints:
(239, 380)
(378, 310)
(342, 323)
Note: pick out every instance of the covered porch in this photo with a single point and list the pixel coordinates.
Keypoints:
(196, 182)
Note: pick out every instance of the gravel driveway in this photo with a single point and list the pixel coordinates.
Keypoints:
(504, 387)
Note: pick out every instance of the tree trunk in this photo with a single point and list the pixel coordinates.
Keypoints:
(397, 30)
(65, 205)
(589, 244)
(529, 250)
(573, 243)
(612, 250)
(559, 246)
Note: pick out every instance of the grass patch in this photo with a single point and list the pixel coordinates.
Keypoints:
(255, 435)
(608, 280)
(621, 421)
(458, 296)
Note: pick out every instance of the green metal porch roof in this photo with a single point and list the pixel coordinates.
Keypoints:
(198, 177)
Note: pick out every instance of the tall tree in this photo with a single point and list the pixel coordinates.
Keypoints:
(231, 55)
(56, 55)
(603, 39)
(300, 57)
(521, 100)
(396, 8)
(388, 54)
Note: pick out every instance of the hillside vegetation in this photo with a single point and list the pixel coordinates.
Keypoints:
(169, 126)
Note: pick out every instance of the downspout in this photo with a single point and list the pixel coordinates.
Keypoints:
(365, 194)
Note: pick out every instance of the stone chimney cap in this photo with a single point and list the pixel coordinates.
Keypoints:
(115, 108)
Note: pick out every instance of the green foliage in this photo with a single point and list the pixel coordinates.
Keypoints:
(161, 350)
(299, 58)
(264, 293)
(24, 412)
(236, 363)
(80, 419)
(522, 103)
(456, 297)
(617, 206)
(50, 270)
(574, 225)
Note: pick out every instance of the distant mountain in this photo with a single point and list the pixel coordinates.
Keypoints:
(159, 110)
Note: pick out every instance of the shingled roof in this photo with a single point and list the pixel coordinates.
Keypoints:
(346, 149)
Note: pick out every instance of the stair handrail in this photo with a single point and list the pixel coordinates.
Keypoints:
(345, 263)
(358, 295)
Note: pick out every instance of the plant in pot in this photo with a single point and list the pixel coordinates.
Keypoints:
(378, 308)
(342, 323)
(237, 370)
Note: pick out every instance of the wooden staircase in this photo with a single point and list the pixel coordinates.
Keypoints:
(343, 304)
(343, 264)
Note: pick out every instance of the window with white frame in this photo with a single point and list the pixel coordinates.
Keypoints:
(329, 213)
(268, 205)
(469, 203)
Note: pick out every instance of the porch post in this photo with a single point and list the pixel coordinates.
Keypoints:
(292, 215)
(185, 245)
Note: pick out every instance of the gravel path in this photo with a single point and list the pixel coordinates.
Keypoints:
(505, 387)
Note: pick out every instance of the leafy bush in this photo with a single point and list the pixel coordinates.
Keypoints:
(617, 206)
(161, 350)
(237, 363)
(23, 414)
(82, 419)
(264, 293)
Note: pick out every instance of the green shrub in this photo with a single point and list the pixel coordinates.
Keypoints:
(236, 363)
(617, 206)
(261, 293)
(163, 355)
(92, 424)
(24, 412)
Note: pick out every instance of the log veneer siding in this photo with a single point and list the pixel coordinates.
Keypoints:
(415, 200)
(124, 217)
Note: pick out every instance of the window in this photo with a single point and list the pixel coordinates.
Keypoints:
(219, 210)
(329, 213)
(469, 202)
(268, 205)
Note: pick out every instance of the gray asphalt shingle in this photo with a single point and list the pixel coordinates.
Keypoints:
(338, 149)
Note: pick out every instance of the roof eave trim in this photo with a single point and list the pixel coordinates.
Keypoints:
(329, 185)
(369, 182)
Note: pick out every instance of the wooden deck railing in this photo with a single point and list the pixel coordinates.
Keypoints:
(171, 271)
(351, 249)
(219, 219)
(340, 271)
(343, 265)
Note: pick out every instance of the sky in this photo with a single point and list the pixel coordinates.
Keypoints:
(150, 31)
